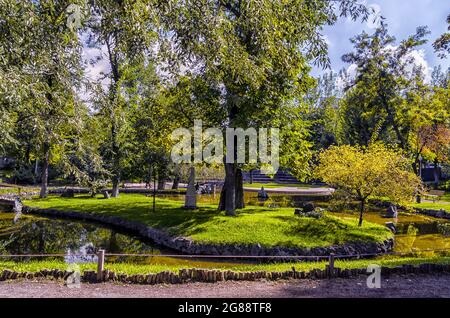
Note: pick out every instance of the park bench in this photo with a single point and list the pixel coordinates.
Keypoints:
(434, 194)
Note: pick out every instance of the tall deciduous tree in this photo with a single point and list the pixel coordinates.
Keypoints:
(51, 65)
(255, 52)
(373, 101)
(124, 30)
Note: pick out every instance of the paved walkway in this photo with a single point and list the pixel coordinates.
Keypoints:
(430, 285)
(296, 191)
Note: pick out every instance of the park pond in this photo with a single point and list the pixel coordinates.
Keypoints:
(79, 240)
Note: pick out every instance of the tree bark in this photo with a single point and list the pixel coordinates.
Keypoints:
(228, 195)
(436, 174)
(176, 179)
(44, 176)
(115, 160)
(161, 183)
(240, 204)
(115, 188)
(361, 212)
(176, 182)
(36, 171)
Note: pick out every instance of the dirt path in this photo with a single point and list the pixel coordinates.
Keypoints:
(296, 191)
(396, 286)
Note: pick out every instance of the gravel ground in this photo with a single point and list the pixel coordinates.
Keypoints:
(435, 285)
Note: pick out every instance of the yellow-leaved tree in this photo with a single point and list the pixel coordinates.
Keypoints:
(362, 172)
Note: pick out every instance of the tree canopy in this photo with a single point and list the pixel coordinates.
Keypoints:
(362, 172)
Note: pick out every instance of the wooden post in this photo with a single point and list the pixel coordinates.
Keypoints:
(331, 264)
(100, 264)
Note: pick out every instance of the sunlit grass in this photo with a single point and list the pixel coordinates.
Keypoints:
(132, 268)
(432, 206)
(267, 226)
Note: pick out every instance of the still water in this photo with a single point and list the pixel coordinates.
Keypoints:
(79, 240)
(40, 235)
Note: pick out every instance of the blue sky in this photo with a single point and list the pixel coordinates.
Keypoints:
(402, 17)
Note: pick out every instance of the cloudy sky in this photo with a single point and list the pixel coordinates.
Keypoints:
(402, 17)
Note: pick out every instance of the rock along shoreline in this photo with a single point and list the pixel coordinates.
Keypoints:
(188, 246)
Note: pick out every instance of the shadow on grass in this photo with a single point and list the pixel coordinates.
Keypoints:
(169, 215)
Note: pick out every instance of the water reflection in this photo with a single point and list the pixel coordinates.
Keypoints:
(251, 198)
(415, 232)
(35, 235)
(80, 241)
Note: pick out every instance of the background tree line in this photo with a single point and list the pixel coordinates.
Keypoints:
(231, 63)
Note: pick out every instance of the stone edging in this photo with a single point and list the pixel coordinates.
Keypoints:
(204, 275)
(188, 246)
(440, 214)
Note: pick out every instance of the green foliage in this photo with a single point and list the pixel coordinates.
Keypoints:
(127, 30)
(442, 44)
(373, 108)
(372, 171)
(257, 55)
(325, 113)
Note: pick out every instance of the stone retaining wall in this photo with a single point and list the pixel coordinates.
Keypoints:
(203, 275)
(441, 214)
(188, 246)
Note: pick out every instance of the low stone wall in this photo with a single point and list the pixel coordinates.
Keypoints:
(211, 276)
(121, 190)
(188, 246)
(77, 190)
(441, 214)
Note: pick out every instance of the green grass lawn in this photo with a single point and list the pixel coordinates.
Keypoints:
(271, 185)
(131, 268)
(432, 206)
(266, 226)
(445, 197)
(15, 189)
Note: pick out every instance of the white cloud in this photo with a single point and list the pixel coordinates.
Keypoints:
(418, 59)
(415, 58)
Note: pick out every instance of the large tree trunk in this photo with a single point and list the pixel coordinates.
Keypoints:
(176, 179)
(240, 204)
(228, 195)
(115, 160)
(115, 188)
(361, 212)
(44, 176)
(436, 174)
(36, 171)
(148, 178)
(161, 183)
